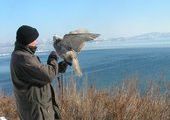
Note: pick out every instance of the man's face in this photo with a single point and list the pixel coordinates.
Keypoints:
(33, 44)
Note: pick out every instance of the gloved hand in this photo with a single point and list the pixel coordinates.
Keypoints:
(53, 55)
(62, 66)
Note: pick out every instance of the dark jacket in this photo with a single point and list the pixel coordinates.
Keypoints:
(34, 94)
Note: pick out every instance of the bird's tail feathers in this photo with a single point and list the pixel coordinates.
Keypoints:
(75, 62)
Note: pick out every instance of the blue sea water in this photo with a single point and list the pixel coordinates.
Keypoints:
(108, 67)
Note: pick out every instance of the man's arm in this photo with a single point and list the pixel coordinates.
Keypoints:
(37, 74)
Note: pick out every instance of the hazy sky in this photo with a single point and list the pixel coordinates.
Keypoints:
(111, 18)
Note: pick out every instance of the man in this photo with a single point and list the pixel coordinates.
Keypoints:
(35, 97)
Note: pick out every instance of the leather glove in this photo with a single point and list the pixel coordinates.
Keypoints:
(62, 66)
(53, 55)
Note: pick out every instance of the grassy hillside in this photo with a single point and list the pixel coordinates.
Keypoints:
(119, 103)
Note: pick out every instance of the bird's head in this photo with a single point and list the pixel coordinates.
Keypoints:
(56, 39)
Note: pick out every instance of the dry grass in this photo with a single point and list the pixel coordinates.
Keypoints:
(120, 103)
(8, 107)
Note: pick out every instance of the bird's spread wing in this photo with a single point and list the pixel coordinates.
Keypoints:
(76, 41)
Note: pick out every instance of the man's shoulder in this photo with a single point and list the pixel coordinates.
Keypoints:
(21, 56)
(20, 53)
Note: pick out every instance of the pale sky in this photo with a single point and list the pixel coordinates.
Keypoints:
(110, 18)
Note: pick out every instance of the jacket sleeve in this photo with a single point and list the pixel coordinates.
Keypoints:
(35, 73)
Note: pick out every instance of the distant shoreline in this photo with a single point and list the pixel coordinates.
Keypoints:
(116, 48)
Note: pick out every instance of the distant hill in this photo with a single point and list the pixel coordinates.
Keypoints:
(154, 39)
(147, 36)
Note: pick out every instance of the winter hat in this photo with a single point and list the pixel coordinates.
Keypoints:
(26, 34)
